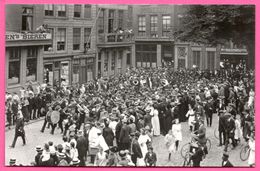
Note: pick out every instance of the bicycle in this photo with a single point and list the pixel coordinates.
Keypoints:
(186, 147)
(244, 152)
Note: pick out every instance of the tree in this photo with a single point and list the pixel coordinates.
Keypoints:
(218, 24)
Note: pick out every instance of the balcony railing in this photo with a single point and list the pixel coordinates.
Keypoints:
(115, 38)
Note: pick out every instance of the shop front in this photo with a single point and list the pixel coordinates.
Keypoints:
(83, 67)
(24, 59)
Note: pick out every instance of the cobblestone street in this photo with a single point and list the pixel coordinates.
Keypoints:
(25, 154)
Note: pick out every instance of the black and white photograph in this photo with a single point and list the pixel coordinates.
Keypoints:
(138, 85)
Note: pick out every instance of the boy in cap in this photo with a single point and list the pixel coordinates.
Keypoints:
(150, 157)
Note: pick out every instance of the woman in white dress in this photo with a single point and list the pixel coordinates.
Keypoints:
(169, 140)
(251, 98)
(142, 140)
(176, 131)
(155, 121)
(238, 130)
(191, 115)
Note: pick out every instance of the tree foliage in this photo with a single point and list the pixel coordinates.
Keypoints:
(217, 24)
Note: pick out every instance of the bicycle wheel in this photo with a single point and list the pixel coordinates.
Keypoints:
(185, 149)
(216, 133)
(208, 144)
(244, 153)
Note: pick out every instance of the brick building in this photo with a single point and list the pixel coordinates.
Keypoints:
(155, 46)
(114, 39)
(24, 46)
(70, 59)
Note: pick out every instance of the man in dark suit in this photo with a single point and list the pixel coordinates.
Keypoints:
(209, 112)
(82, 146)
(225, 161)
(150, 157)
(221, 128)
(124, 138)
(135, 148)
(118, 130)
(19, 129)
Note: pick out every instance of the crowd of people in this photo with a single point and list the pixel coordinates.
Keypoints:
(114, 120)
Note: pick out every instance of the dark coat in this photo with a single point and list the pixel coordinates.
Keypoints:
(108, 136)
(82, 146)
(125, 134)
(118, 130)
(150, 158)
(148, 120)
(136, 149)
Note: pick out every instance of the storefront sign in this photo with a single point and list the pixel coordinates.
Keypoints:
(234, 50)
(27, 36)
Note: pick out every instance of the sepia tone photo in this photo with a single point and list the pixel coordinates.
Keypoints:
(95, 85)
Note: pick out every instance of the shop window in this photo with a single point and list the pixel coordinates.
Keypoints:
(128, 59)
(196, 58)
(27, 19)
(61, 10)
(31, 64)
(154, 26)
(14, 66)
(119, 62)
(76, 68)
(210, 60)
(61, 39)
(48, 9)
(87, 11)
(76, 38)
(77, 11)
(141, 25)
(113, 61)
(106, 62)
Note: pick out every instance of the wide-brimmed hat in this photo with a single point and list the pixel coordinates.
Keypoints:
(39, 148)
(75, 162)
(12, 161)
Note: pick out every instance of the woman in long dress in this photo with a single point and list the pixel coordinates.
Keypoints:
(155, 121)
(191, 115)
(176, 131)
(142, 140)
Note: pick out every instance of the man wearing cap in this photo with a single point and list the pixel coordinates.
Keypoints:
(225, 161)
(150, 157)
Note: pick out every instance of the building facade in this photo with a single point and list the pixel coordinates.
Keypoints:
(24, 46)
(114, 40)
(71, 57)
(155, 45)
